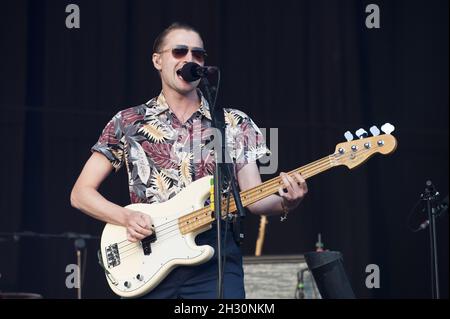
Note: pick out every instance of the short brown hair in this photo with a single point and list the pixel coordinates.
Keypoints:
(159, 41)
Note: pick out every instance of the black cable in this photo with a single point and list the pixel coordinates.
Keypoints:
(300, 289)
(217, 89)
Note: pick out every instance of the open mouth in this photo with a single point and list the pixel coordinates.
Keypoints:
(178, 72)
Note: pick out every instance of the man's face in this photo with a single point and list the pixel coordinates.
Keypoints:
(168, 64)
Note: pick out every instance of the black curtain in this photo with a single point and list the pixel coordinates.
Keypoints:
(312, 69)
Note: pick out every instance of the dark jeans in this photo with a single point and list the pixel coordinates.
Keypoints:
(200, 282)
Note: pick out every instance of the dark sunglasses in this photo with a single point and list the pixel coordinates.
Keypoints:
(180, 51)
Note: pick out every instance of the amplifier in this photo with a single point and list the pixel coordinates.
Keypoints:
(278, 277)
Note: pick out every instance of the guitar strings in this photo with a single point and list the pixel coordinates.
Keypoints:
(170, 224)
(308, 169)
(305, 172)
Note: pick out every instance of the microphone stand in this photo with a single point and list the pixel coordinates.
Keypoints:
(430, 196)
(223, 169)
(79, 243)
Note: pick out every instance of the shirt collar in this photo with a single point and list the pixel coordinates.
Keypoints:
(161, 106)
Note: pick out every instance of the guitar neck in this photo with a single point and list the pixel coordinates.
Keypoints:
(203, 217)
(271, 186)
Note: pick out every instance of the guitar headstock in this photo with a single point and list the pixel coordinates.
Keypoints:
(355, 152)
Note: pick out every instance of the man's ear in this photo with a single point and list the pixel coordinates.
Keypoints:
(156, 58)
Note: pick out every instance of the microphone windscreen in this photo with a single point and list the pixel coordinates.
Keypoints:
(189, 72)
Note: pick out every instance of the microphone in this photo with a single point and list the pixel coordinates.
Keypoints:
(439, 210)
(192, 71)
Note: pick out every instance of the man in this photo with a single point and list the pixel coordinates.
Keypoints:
(152, 139)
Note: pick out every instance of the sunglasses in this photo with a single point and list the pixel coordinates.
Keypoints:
(180, 51)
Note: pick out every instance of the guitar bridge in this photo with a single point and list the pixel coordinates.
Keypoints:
(112, 256)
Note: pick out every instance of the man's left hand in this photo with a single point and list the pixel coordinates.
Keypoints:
(296, 189)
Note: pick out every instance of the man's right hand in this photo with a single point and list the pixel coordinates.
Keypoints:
(138, 225)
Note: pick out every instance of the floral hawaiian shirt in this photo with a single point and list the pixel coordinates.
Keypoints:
(163, 155)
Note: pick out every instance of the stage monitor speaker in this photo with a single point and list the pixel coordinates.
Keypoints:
(278, 277)
(328, 270)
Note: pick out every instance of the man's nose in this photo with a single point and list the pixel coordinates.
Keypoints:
(188, 57)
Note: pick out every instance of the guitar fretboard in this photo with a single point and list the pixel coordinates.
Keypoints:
(205, 216)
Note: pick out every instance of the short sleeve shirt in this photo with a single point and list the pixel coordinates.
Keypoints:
(162, 155)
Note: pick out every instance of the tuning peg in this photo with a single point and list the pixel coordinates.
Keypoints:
(374, 130)
(388, 128)
(348, 136)
(361, 133)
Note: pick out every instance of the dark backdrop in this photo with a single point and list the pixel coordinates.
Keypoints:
(309, 68)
